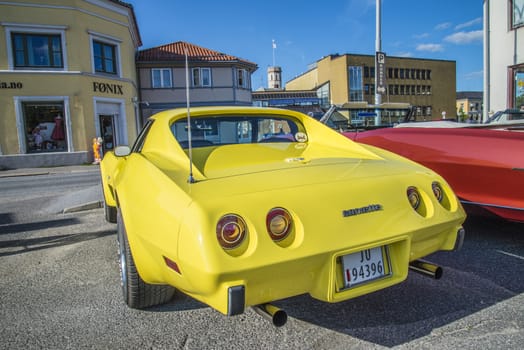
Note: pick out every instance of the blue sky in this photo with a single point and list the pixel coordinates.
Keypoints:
(305, 32)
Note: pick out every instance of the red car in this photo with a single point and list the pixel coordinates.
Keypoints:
(485, 167)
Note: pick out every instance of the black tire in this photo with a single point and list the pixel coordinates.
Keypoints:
(137, 293)
(110, 213)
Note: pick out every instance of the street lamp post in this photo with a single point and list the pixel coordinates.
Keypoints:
(378, 48)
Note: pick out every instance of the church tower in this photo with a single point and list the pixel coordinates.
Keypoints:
(274, 77)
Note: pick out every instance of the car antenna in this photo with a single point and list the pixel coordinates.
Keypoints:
(190, 179)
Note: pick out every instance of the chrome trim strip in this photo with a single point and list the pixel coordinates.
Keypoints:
(491, 205)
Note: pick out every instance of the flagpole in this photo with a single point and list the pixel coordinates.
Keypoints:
(274, 47)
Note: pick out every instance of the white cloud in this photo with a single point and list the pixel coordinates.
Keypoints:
(430, 47)
(404, 54)
(465, 37)
(474, 75)
(421, 36)
(469, 24)
(443, 26)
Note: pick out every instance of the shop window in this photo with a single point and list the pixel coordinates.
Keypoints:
(161, 78)
(37, 50)
(44, 127)
(104, 55)
(519, 89)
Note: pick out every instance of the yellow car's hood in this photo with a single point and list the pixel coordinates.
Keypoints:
(282, 167)
(235, 160)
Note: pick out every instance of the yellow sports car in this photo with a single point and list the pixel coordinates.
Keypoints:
(242, 206)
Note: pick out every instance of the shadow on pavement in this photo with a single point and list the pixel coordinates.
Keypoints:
(39, 243)
(37, 225)
(482, 274)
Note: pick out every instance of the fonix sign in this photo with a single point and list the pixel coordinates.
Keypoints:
(107, 88)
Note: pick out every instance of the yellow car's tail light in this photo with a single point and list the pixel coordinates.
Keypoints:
(438, 191)
(231, 231)
(413, 197)
(279, 224)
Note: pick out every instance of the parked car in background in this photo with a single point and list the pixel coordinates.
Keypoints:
(508, 116)
(484, 166)
(508, 119)
(243, 206)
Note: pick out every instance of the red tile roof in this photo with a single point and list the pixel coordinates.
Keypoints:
(176, 52)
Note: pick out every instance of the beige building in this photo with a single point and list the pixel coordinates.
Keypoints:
(469, 105)
(428, 85)
(215, 78)
(67, 76)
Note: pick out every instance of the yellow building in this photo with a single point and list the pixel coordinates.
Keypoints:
(469, 106)
(429, 85)
(67, 76)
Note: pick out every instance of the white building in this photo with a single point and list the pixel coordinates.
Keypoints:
(503, 55)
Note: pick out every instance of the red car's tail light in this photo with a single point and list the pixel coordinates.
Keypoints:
(438, 191)
(279, 224)
(231, 231)
(413, 197)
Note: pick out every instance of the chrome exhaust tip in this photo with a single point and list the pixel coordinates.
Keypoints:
(426, 268)
(272, 313)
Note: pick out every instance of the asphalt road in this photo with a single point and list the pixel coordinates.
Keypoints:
(59, 289)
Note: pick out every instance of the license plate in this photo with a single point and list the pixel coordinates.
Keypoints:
(364, 266)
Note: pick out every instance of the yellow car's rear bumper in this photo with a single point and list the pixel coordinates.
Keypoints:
(319, 275)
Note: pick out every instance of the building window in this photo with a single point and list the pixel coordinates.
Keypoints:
(161, 78)
(517, 19)
(104, 55)
(356, 83)
(323, 95)
(44, 128)
(201, 77)
(242, 80)
(37, 50)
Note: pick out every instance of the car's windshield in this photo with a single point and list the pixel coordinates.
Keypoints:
(503, 116)
(221, 130)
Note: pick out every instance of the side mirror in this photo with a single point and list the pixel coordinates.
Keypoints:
(122, 151)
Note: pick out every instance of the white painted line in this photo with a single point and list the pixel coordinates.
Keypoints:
(512, 255)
